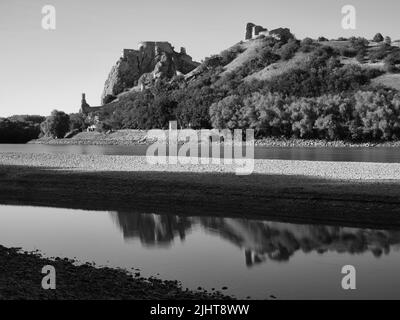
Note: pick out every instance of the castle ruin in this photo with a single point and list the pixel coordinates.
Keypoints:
(254, 31)
(86, 108)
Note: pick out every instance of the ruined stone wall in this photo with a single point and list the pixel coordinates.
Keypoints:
(253, 30)
(249, 30)
(86, 108)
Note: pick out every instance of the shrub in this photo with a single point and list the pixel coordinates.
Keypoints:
(378, 37)
(359, 43)
(288, 50)
(103, 126)
(267, 114)
(392, 60)
(227, 56)
(263, 59)
(308, 45)
(379, 53)
(349, 52)
(77, 122)
(307, 41)
(228, 113)
(361, 56)
(56, 125)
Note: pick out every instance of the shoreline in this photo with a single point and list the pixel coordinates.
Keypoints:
(342, 193)
(139, 137)
(312, 192)
(21, 278)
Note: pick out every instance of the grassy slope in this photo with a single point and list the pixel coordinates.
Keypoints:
(278, 68)
(388, 80)
(252, 47)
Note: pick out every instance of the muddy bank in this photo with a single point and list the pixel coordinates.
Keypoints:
(21, 278)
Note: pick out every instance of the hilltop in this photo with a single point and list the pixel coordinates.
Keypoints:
(280, 86)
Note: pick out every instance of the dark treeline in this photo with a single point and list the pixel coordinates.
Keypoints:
(20, 128)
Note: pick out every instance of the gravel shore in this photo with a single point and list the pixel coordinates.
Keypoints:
(320, 169)
(334, 193)
(21, 278)
(305, 191)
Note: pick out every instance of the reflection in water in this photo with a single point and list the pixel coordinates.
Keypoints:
(152, 229)
(260, 240)
(250, 257)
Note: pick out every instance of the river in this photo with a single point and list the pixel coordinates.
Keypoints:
(356, 154)
(252, 258)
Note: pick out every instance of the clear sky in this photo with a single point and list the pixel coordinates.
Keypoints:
(42, 70)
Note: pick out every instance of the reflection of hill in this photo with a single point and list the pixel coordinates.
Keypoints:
(152, 229)
(279, 241)
(261, 239)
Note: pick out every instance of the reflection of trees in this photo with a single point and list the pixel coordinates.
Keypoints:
(261, 240)
(152, 229)
(279, 241)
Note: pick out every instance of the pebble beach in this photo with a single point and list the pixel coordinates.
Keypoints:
(321, 169)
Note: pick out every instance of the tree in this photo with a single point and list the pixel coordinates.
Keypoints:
(391, 60)
(12, 130)
(288, 50)
(307, 41)
(388, 40)
(77, 122)
(378, 37)
(228, 113)
(56, 125)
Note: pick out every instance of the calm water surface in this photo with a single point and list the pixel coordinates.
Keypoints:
(361, 154)
(251, 257)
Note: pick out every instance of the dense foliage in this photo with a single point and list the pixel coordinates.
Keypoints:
(56, 125)
(366, 115)
(19, 128)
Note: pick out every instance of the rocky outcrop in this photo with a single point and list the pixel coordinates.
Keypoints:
(152, 59)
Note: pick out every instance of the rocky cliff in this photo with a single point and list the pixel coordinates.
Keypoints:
(152, 60)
